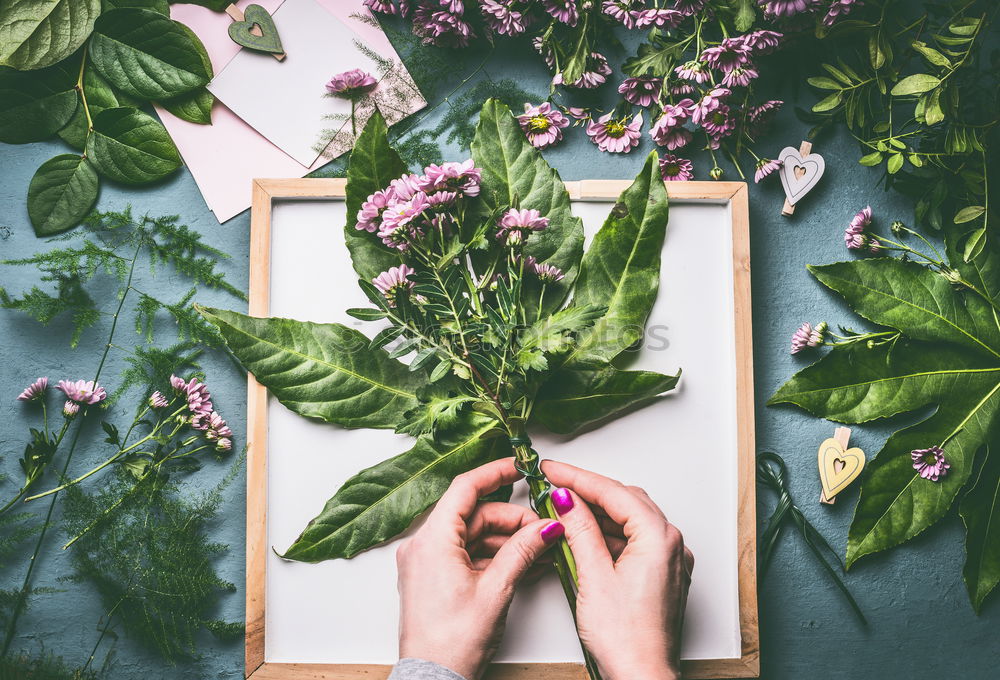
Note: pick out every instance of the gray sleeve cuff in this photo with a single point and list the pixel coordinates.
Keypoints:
(418, 669)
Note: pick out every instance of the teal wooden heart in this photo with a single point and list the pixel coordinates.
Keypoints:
(242, 31)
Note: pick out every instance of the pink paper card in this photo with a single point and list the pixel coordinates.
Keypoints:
(227, 155)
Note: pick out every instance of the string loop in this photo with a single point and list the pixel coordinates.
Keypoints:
(532, 471)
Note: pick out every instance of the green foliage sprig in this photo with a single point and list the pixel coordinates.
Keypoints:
(919, 92)
(82, 69)
(939, 346)
(507, 320)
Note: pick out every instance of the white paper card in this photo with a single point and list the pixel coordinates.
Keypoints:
(682, 450)
(285, 100)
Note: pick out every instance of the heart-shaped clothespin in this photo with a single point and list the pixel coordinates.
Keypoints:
(838, 465)
(253, 28)
(800, 171)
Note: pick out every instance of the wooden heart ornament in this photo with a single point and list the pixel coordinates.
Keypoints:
(837, 467)
(799, 173)
(256, 31)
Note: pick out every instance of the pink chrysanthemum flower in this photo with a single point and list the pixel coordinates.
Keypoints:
(623, 11)
(199, 399)
(712, 101)
(578, 112)
(761, 114)
(674, 169)
(406, 187)
(719, 124)
(855, 236)
(785, 8)
(838, 9)
(800, 339)
(442, 28)
(726, 56)
(762, 42)
(681, 89)
(393, 281)
(930, 463)
(157, 400)
(547, 273)
(398, 221)
(740, 76)
(641, 90)
(381, 6)
(694, 71)
(179, 384)
(595, 75)
(615, 135)
(35, 390)
(689, 7)
(70, 409)
(521, 220)
(562, 10)
(667, 130)
(370, 215)
(216, 427)
(661, 18)
(765, 167)
(224, 444)
(502, 17)
(352, 84)
(672, 139)
(818, 334)
(542, 124)
(83, 391)
(462, 177)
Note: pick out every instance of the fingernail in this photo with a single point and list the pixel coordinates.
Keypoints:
(552, 532)
(562, 500)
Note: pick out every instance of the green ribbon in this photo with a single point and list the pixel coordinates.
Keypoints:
(532, 471)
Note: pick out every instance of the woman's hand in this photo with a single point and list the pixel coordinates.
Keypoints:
(633, 569)
(458, 572)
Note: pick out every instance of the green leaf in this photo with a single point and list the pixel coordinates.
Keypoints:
(824, 83)
(39, 33)
(100, 96)
(965, 26)
(621, 269)
(934, 57)
(980, 511)
(746, 12)
(895, 503)
(895, 163)
(830, 102)
(871, 159)
(131, 147)
(34, 106)
(440, 409)
(576, 63)
(919, 302)
(572, 399)
(969, 213)
(514, 170)
(61, 193)
(854, 384)
(555, 332)
(933, 113)
(915, 84)
(147, 55)
(372, 166)
(366, 314)
(320, 370)
(380, 502)
(974, 245)
(194, 107)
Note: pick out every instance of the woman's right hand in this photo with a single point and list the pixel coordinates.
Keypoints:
(633, 570)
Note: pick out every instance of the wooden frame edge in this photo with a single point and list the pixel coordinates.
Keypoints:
(746, 666)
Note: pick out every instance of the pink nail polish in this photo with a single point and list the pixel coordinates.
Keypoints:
(562, 501)
(552, 532)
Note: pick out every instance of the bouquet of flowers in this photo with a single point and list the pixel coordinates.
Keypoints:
(477, 272)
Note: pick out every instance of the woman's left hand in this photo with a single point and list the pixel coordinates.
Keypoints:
(458, 572)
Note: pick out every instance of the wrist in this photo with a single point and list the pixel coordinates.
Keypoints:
(454, 660)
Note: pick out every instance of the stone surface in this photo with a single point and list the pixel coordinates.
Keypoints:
(921, 623)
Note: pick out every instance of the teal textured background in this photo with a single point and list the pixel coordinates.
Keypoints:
(921, 623)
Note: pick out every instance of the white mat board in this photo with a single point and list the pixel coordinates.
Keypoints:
(682, 450)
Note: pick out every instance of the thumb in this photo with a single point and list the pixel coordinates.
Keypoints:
(516, 556)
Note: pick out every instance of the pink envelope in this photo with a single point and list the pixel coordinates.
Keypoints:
(227, 155)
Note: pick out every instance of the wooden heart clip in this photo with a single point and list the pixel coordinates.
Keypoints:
(255, 30)
(838, 465)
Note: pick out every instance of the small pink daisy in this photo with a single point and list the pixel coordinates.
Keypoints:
(35, 390)
(542, 124)
(674, 169)
(615, 135)
(641, 90)
(393, 281)
(801, 337)
(764, 168)
(351, 84)
(82, 391)
(930, 463)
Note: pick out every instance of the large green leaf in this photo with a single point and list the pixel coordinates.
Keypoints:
(514, 171)
(131, 147)
(895, 503)
(572, 399)
(147, 55)
(194, 107)
(382, 501)
(160, 6)
(33, 106)
(372, 166)
(61, 193)
(323, 371)
(980, 510)
(621, 268)
(854, 384)
(39, 33)
(915, 300)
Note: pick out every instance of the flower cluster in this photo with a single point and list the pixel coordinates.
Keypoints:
(412, 205)
(856, 236)
(200, 412)
(808, 335)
